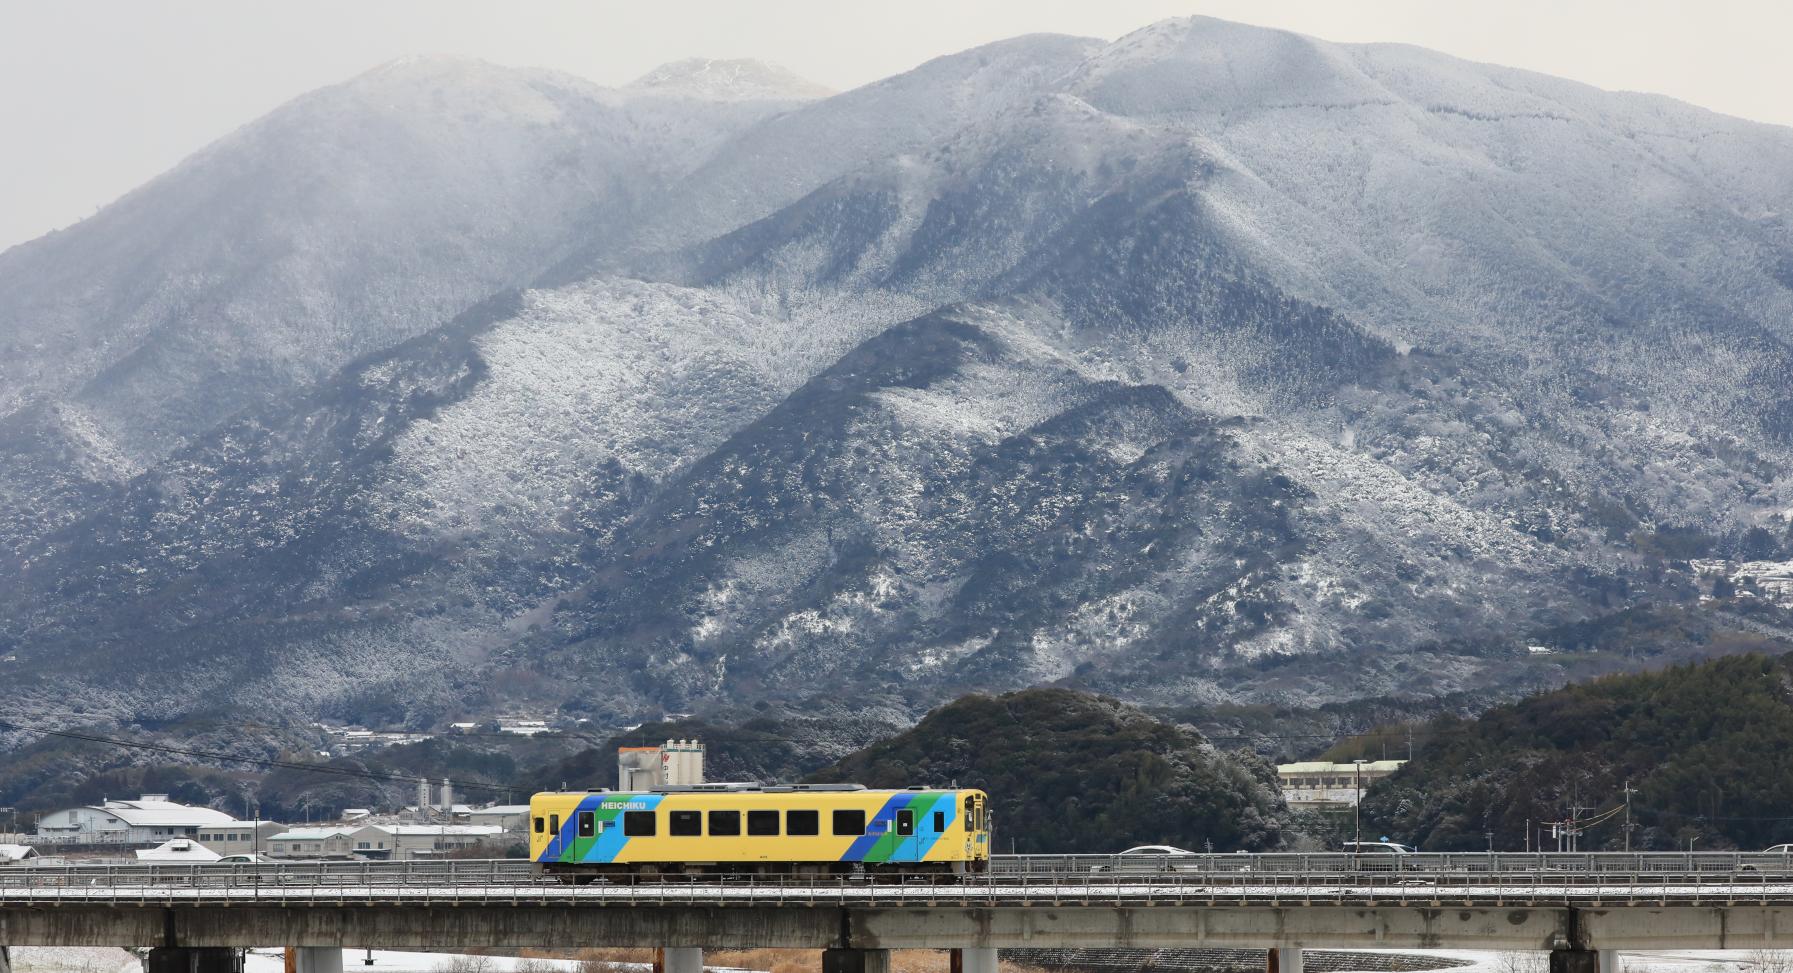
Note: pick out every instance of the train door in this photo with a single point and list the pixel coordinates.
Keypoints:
(908, 845)
(976, 824)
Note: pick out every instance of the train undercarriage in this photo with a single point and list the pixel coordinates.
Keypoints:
(869, 872)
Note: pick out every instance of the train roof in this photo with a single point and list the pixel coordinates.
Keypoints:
(752, 788)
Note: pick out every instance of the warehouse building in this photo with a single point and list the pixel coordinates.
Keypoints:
(150, 820)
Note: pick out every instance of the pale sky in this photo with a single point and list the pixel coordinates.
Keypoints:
(98, 96)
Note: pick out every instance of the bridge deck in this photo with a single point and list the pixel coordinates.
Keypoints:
(1252, 902)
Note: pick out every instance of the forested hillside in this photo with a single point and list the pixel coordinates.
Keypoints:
(1708, 748)
(1074, 772)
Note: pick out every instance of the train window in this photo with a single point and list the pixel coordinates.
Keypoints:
(554, 824)
(762, 823)
(639, 824)
(588, 824)
(723, 823)
(939, 822)
(849, 822)
(905, 823)
(802, 822)
(541, 825)
(685, 824)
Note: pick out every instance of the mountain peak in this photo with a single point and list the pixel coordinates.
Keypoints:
(1209, 65)
(714, 79)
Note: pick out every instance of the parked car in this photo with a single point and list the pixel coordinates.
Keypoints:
(1779, 869)
(247, 859)
(1377, 848)
(1146, 858)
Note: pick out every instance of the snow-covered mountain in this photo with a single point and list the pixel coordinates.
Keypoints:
(344, 222)
(728, 80)
(1215, 363)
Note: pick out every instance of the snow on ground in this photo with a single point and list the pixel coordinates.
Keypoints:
(73, 959)
(647, 376)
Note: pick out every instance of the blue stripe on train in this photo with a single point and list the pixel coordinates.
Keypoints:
(606, 845)
(875, 829)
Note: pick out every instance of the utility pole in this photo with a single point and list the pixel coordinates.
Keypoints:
(1357, 801)
(1628, 793)
(1575, 826)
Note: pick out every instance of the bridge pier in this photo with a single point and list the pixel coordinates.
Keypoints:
(195, 959)
(855, 961)
(681, 959)
(1285, 959)
(314, 959)
(972, 959)
(1575, 961)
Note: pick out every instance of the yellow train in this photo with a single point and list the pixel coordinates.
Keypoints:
(735, 828)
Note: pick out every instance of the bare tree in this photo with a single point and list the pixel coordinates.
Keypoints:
(1522, 961)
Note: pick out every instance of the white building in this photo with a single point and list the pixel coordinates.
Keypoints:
(381, 842)
(671, 764)
(11, 854)
(149, 820)
(331, 841)
(1320, 785)
(510, 817)
(239, 837)
(435, 840)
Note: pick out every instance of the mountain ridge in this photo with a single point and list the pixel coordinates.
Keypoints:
(1026, 366)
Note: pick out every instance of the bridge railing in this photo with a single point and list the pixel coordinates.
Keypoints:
(1070, 880)
(1312, 871)
(1558, 864)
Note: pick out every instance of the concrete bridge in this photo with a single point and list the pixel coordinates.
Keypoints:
(1580, 908)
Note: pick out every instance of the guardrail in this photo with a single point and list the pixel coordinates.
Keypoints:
(1213, 880)
(1423, 863)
